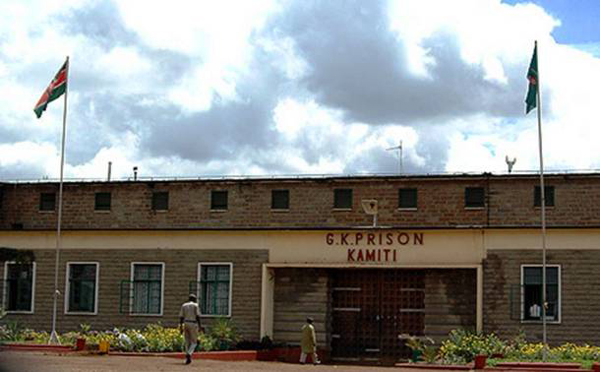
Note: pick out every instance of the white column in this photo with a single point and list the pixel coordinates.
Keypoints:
(266, 301)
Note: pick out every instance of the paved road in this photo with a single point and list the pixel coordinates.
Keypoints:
(13, 361)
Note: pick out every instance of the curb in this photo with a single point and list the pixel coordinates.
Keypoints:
(238, 355)
(32, 347)
(242, 355)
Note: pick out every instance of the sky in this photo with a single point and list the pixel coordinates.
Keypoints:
(298, 87)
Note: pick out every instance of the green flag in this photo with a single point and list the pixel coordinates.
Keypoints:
(532, 76)
(55, 89)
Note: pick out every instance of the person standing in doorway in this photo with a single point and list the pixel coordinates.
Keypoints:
(189, 325)
(308, 342)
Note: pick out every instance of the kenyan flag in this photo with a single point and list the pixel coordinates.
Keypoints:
(532, 76)
(57, 87)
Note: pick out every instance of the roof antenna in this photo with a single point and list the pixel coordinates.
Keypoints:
(399, 148)
(510, 163)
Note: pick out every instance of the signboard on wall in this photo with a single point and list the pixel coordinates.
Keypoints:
(373, 246)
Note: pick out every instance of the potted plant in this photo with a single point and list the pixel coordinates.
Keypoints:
(80, 341)
(418, 347)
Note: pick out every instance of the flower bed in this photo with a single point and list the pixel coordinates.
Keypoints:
(462, 347)
(152, 338)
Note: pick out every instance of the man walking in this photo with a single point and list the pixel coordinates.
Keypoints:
(189, 324)
(308, 343)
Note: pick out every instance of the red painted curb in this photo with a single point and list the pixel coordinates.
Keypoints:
(442, 367)
(241, 355)
(32, 347)
(539, 365)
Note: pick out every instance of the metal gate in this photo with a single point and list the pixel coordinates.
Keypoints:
(371, 308)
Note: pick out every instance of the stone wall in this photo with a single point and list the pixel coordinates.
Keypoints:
(181, 268)
(450, 301)
(580, 298)
(440, 203)
(300, 293)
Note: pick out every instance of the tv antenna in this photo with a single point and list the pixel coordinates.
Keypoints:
(399, 148)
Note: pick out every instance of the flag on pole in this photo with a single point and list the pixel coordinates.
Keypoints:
(57, 87)
(532, 76)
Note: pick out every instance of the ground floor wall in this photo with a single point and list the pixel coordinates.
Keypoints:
(180, 268)
(373, 310)
(579, 292)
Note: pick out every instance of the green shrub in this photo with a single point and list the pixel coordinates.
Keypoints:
(462, 346)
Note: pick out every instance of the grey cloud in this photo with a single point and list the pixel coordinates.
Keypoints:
(359, 66)
(101, 23)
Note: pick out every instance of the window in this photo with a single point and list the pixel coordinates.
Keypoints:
(474, 197)
(20, 287)
(215, 288)
(342, 198)
(531, 281)
(147, 288)
(160, 201)
(47, 201)
(407, 198)
(82, 287)
(218, 200)
(102, 201)
(548, 195)
(1, 197)
(280, 199)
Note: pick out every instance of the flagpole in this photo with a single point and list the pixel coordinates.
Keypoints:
(543, 208)
(54, 336)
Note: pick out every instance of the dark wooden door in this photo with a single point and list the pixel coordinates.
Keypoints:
(371, 308)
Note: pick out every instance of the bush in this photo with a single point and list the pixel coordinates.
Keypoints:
(462, 346)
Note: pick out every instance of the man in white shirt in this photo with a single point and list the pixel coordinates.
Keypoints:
(189, 324)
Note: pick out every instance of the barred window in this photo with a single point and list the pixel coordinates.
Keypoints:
(82, 287)
(147, 288)
(218, 200)
(160, 201)
(548, 195)
(102, 201)
(47, 201)
(280, 199)
(215, 288)
(531, 279)
(407, 198)
(342, 198)
(474, 197)
(19, 290)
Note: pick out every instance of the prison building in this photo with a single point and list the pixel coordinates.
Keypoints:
(371, 258)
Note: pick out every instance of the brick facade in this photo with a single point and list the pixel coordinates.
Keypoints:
(181, 268)
(450, 292)
(580, 302)
(441, 203)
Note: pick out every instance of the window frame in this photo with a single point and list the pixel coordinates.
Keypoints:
(199, 290)
(162, 287)
(215, 208)
(559, 293)
(155, 196)
(68, 287)
(5, 291)
(416, 198)
(469, 189)
(335, 199)
(96, 204)
(287, 199)
(537, 196)
(41, 206)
